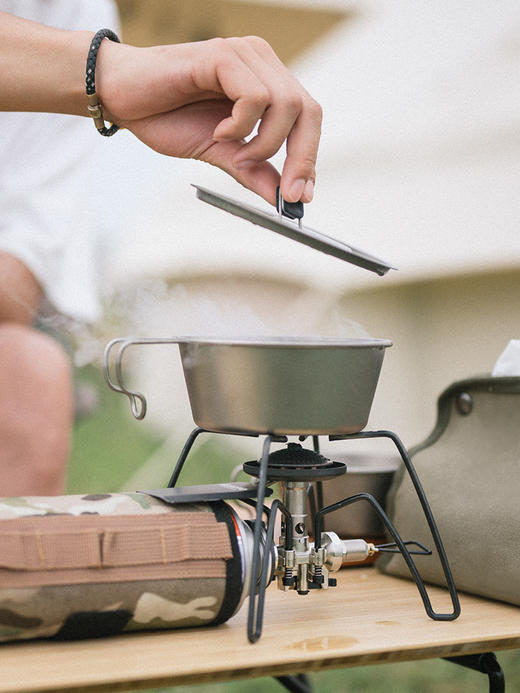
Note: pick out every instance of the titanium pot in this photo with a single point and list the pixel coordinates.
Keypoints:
(293, 386)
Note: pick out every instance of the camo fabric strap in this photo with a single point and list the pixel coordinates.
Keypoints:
(43, 551)
(99, 564)
(72, 550)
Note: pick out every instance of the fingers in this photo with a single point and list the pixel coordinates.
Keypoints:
(250, 96)
(187, 133)
(262, 178)
(230, 86)
(262, 89)
(299, 173)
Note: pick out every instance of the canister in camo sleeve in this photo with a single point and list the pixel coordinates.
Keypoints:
(95, 565)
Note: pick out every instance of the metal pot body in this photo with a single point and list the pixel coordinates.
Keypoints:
(282, 387)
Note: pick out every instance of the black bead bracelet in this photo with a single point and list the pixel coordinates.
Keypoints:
(94, 107)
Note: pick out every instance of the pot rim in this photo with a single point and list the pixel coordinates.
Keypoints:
(313, 342)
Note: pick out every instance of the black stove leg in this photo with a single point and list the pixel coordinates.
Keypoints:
(319, 484)
(486, 663)
(256, 606)
(426, 511)
(399, 543)
(187, 448)
(184, 454)
(298, 684)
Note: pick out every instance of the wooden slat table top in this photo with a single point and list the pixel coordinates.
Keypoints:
(368, 618)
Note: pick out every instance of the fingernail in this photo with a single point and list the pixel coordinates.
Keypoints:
(308, 191)
(296, 190)
(247, 163)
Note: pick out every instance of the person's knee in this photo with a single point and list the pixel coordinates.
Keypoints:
(20, 292)
(36, 358)
(35, 383)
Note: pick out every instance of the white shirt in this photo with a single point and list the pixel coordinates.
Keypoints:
(47, 217)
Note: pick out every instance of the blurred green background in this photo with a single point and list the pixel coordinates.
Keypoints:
(108, 448)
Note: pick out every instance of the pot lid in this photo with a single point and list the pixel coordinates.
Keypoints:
(285, 226)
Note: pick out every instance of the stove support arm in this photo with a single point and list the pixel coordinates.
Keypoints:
(396, 537)
(429, 518)
(256, 605)
(184, 454)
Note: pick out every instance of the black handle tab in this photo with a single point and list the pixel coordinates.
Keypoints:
(291, 210)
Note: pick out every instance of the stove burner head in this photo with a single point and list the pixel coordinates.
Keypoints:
(295, 456)
(295, 463)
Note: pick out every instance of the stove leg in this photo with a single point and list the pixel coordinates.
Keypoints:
(184, 454)
(256, 606)
(319, 484)
(486, 663)
(399, 543)
(187, 448)
(298, 684)
(426, 511)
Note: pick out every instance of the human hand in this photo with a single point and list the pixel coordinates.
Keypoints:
(201, 100)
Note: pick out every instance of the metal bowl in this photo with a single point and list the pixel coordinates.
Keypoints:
(272, 385)
(284, 387)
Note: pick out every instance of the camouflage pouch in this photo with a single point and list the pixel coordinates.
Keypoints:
(469, 467)
(96, 565)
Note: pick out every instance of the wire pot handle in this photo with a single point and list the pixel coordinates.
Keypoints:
(115, 381)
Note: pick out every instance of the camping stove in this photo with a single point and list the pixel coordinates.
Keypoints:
(305, 556)
(297, 562)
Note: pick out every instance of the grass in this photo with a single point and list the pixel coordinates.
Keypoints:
(110, 447)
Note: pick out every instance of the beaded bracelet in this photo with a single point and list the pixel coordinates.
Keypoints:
(94, 107)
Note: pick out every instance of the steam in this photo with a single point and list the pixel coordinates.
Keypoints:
(84, 342)
(156, 308)
(181, 310)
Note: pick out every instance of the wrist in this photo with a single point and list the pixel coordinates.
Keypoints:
(95, 108)
(135, 82)
(109, 85)
(42, 68)
(74, 46)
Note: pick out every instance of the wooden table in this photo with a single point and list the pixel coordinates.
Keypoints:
(368, 618)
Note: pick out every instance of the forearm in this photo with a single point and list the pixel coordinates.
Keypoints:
(200, 100)
(42, 68)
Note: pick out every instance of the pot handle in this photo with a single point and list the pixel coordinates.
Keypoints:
(138, 403)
